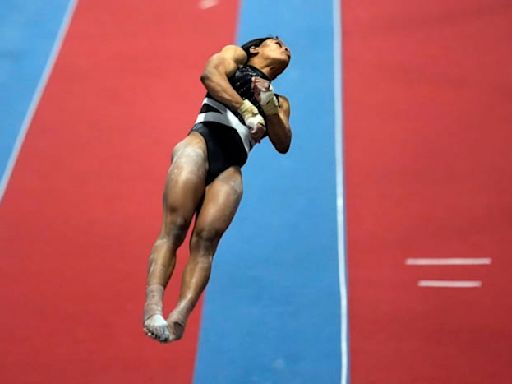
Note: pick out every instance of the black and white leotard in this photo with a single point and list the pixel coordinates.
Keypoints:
(228, 140)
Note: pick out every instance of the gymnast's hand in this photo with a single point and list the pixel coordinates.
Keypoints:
(265, 95)
(253, 120)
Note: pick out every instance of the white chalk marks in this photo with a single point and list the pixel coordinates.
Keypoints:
(205, 4)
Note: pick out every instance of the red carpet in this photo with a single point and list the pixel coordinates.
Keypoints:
(83, 206)
(429, 174)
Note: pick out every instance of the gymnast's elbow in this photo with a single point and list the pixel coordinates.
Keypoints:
(204, 78)
(282, 147)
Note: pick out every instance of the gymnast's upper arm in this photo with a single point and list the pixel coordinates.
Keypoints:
(224, 63)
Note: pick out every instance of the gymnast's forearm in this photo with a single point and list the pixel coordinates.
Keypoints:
(279, 132)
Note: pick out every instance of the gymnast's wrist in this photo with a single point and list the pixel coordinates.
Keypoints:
(247, 109)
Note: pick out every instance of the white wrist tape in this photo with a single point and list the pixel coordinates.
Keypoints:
(250, 114)
(268, 101)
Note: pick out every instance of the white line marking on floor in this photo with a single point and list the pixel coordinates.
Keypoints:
(450, 283)
(340, 188)
(449, 261)
(36, 97)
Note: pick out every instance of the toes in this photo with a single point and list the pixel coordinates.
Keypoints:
(160, 333)
(163, 334)
(156, 327)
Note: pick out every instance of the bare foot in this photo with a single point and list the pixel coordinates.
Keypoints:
(177, 322)
(155, 325)
(176, 330)
(157, 328)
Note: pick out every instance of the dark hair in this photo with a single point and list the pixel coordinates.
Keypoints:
(255, 43)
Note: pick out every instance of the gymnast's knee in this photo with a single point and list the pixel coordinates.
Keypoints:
(176, 228)
(207, 238)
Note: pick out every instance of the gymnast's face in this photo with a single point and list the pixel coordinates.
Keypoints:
(274, 51)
